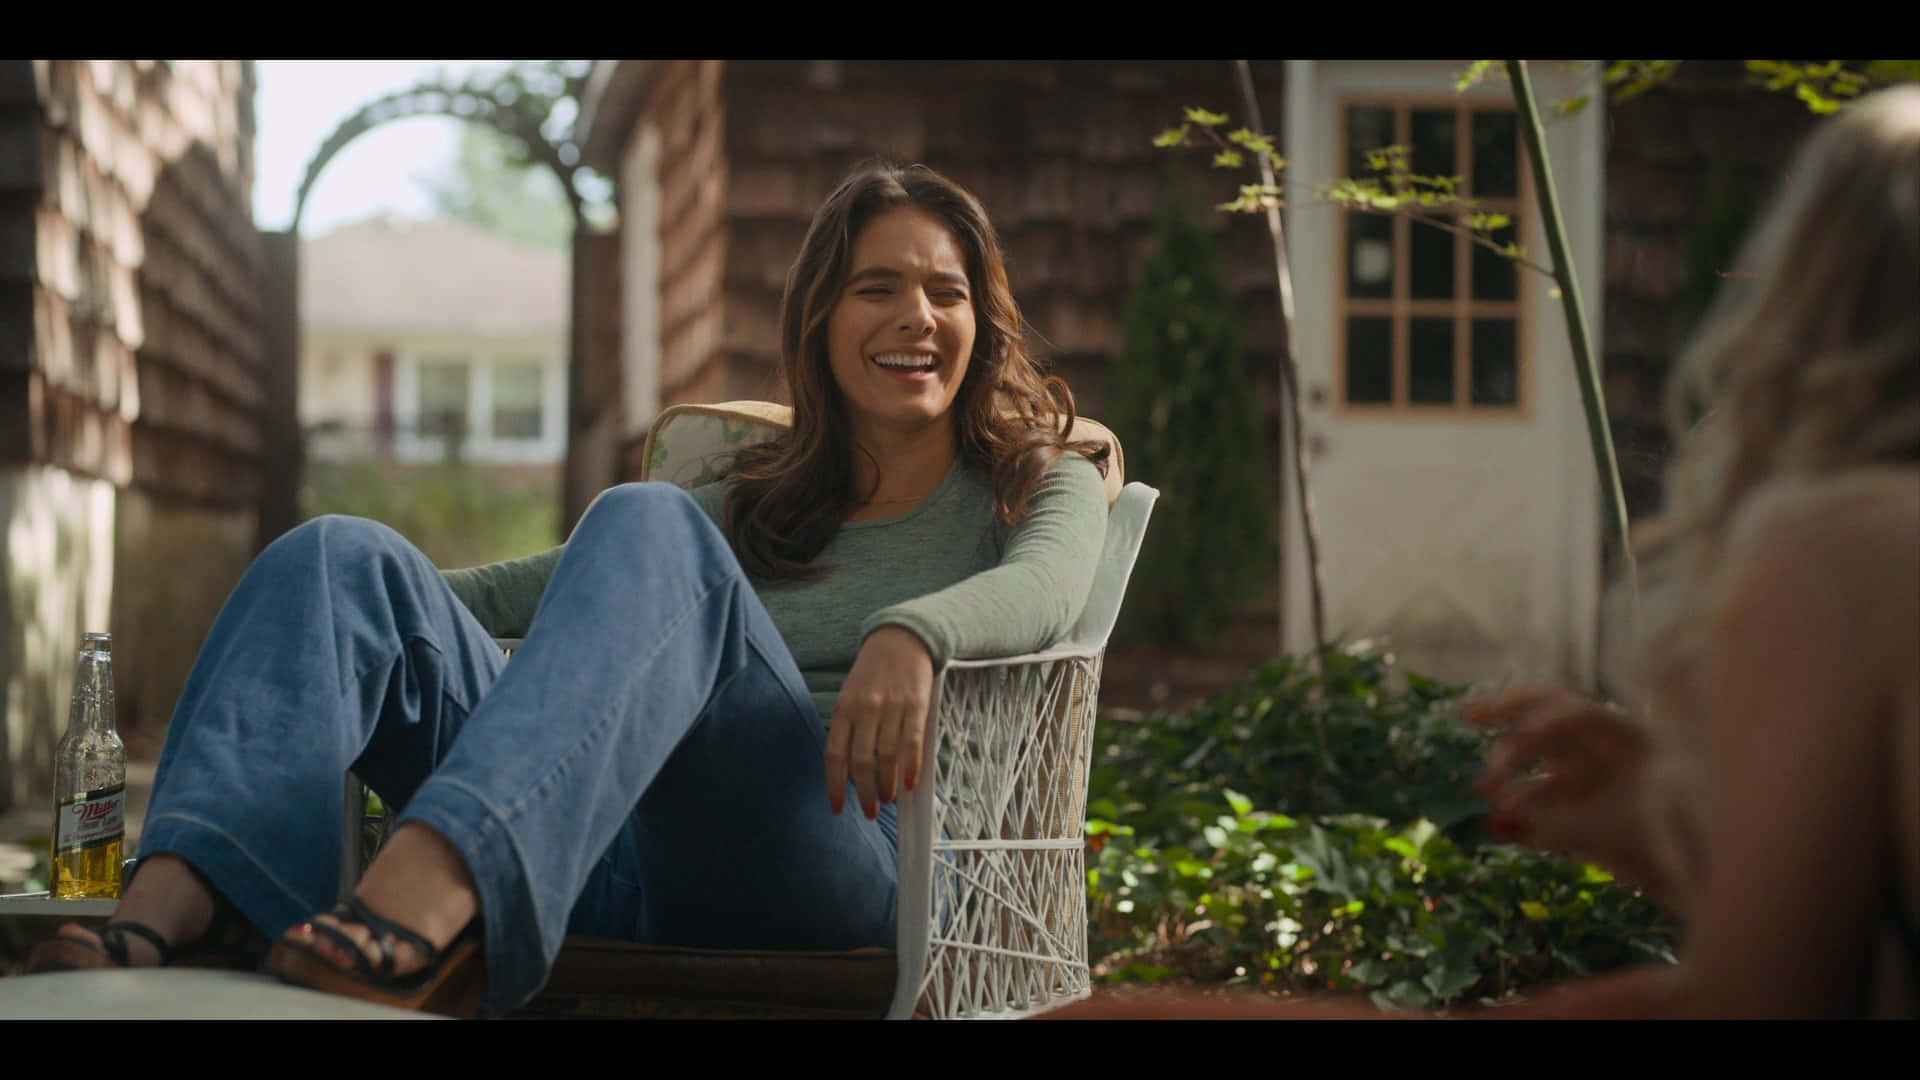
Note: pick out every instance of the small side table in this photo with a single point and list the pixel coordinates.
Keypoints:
(39, 903)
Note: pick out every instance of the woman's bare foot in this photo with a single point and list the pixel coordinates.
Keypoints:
(166, 896)
(418, 881)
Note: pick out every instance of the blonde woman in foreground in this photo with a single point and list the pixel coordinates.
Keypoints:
(1771, 794)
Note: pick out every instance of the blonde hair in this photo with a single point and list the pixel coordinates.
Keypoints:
(1806, 365)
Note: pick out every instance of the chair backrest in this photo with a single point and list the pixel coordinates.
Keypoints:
(688, 444)
(1126, 528)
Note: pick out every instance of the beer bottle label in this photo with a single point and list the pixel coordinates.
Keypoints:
(91, 820)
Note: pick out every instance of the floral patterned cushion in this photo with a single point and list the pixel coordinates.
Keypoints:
(688, 445)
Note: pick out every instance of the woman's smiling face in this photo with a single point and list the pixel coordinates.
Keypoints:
(902, 331)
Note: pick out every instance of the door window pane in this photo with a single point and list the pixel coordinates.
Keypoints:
(1432, 262)
(1367, 129)
(1369, 255)
(1496, 153)
(443, 396)
(1369, 361)
(1496, 363)
(1433, 134)
(1430, 364)
(516, 401)
(1495, 276)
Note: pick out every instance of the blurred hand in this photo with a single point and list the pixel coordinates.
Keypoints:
(880, 722)
(1567, 774)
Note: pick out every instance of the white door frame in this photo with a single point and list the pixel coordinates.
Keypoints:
(1567, 580)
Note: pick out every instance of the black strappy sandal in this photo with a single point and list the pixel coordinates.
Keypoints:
(451, 982)
(215, 947)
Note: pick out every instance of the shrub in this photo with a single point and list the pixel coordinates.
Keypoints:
(1350, 739)
(458, 513)
(1181, 403)
(1362, 870)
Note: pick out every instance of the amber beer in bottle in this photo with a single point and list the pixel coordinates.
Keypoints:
(89, 784)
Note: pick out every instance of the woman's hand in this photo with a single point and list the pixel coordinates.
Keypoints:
(1567, 774)
(880, 722)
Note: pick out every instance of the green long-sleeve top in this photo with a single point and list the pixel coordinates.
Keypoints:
(948, 570)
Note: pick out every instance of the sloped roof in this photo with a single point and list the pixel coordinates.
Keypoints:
(438, 276)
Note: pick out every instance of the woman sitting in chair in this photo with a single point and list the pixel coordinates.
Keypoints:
(649, 764)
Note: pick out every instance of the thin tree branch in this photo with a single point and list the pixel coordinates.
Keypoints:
(1290, 382)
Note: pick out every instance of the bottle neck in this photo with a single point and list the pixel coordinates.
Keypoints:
(92, 692)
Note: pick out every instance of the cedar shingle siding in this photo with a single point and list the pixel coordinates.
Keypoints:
(1060, 152)
(131, 366)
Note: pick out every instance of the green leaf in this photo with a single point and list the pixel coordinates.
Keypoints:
(1573, 105)
(1411, 945)
(1630, 92)
(1446, 979)
(1171, 137)
(1240, 803)
(1205, 118)
(1228, 159)
(1421, 833)
(1658, 952)
(1816, 101)
(1370, 972)
(1573, 962)
(1893, 71)
(1473, 75)
(1446, 813)
(1534, 909)
(1405, 994)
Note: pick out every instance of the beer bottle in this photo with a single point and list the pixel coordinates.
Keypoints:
(89, 784)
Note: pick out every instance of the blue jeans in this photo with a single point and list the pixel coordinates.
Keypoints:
(648, 766)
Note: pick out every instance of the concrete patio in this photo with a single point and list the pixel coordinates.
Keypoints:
(177, 994)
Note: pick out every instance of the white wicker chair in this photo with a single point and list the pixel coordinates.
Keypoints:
(993, 908)
(993, 884)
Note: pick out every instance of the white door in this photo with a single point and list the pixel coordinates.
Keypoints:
(1457, 508)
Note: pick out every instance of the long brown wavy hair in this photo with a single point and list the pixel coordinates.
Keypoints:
(791, 493)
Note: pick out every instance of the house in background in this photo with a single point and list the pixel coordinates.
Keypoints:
(135, 396)
(1456, 501)
(425, 340)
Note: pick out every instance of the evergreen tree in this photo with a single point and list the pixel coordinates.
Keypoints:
(1184, 409)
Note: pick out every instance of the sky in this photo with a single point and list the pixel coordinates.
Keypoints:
(300, 101)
